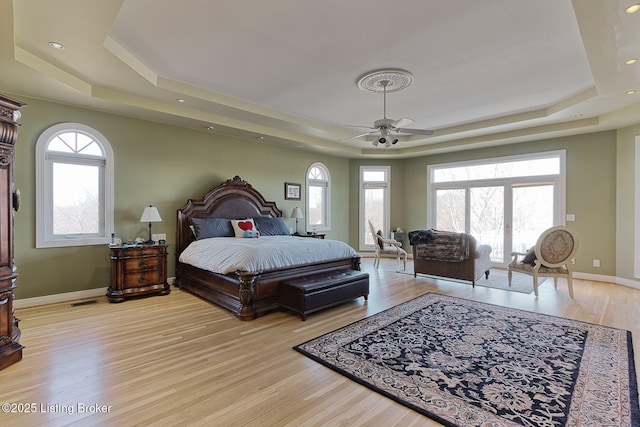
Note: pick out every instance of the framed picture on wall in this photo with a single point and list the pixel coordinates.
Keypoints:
(292, 191)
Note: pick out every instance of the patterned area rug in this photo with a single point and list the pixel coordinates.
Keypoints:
(523, 283)
(465, 363)
(497, 279)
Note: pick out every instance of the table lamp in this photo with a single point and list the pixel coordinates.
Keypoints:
(297, 214)
(150, 215)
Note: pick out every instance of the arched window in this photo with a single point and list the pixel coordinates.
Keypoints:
(74, 187)
(318, 198)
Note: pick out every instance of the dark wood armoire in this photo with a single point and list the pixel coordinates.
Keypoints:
(10, 348)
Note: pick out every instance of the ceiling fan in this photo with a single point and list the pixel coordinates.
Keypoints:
(386, 127)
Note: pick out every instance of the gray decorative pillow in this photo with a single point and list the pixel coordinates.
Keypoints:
(271, 226)
(380, 242)
(530, 257)
(212, 227)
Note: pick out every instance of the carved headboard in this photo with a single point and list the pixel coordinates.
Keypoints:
(234, 199)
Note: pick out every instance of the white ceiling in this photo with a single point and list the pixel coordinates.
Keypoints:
(486, 72)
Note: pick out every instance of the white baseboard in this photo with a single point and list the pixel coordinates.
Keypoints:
(67, 296)
(627, 282)
(52, 299)
(610, 279)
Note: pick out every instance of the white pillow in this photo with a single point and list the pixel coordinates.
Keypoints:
(242, 225)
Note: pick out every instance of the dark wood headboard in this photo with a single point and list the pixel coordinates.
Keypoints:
(233, 199)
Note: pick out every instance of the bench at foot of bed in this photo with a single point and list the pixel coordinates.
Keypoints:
(312, 293)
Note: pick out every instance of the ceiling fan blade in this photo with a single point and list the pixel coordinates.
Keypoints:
(358, 126)
(400, 123)
(361, 135)
(415, 131)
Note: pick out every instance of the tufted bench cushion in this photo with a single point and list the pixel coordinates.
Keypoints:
(305, 295)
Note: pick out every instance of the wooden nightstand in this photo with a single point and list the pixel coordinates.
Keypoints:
(138, 270)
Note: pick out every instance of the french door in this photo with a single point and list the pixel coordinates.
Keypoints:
(507, 215)
(505, 202)
(501, 214)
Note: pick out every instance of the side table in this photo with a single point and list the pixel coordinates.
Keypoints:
(138, 270)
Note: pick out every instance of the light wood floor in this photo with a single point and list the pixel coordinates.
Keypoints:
(178, 360)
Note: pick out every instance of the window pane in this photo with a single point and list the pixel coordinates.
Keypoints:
(450, 210)
(532, 214)
(59, 144)
(374, 176)
(486, 218)
(86, 145)
(317, 174)
(316, 204)
(76, 195)
(75, 142)
(520, 168)
(374, 211)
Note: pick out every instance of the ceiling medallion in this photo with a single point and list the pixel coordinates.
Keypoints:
(394, 78)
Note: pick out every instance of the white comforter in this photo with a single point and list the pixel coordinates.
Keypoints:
(228, 254)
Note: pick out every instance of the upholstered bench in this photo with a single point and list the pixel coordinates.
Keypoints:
(305, 295)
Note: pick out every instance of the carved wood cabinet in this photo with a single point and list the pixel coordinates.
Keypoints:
(138, 270)
(10, 348)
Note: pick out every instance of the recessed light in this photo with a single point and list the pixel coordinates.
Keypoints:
(56, 45)
(260, 138)
(210, 128)
(631, 92)
(633, 8)
(631, 61)
(180, 100)
(577, 116)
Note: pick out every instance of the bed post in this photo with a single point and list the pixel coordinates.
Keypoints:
(246, 293)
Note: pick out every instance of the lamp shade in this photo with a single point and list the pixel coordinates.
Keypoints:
(297, 213)
(150, 214)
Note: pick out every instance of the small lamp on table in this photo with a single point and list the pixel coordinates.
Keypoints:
(150, 215)
(297, 214)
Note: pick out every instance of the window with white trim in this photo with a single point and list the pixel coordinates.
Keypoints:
(318, 185)
(74, 187)
(505, 202)
(375, 205)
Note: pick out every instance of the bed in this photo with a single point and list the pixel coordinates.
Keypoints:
(247, 292)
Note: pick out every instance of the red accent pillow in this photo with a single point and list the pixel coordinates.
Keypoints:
(242, 225)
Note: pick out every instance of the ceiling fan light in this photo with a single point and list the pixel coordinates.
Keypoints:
(632, 9)
(375, 142)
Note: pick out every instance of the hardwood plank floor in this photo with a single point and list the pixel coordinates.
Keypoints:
(179, 360)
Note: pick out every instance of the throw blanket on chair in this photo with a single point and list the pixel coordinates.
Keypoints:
(417, 237)
(442, 246)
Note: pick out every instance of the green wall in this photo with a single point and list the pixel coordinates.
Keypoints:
(154, 164)
(625, 200)
(166, 165)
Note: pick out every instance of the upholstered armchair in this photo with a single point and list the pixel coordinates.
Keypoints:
(550, 257)
(449, 254)
(387, 248)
